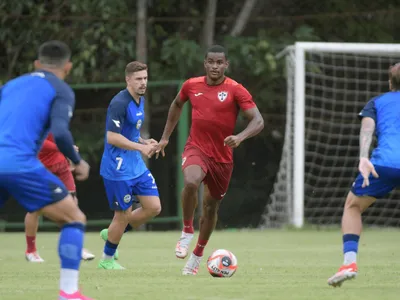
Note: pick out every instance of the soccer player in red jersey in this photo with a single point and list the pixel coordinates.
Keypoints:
(56, 163)
(208, 154)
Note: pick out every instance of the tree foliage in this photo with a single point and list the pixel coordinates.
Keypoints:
(102, 35)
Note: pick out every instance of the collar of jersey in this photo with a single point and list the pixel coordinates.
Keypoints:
(133, 100)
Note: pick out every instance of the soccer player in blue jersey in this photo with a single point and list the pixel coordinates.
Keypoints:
(124, 172)
(31, 106)
(378, 176)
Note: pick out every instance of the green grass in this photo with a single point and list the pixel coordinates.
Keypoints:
(272, 265)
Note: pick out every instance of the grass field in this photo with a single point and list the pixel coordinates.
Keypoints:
(272, 265)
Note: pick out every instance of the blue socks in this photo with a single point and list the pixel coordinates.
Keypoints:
(109, 250)
(350, 248)
(70, 245)
(70, 251)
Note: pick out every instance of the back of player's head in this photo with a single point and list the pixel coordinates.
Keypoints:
(216, 49)
(133, 67)
(394, 77)
(54, 54)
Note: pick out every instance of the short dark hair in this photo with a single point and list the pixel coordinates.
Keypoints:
(54, 53)
(394, 76)
(134, 66)
(216, 49)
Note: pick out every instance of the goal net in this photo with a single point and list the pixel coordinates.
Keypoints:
(327, 86)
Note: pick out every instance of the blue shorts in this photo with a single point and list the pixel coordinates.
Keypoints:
(121, 194)
(389, 179)
(33, 190)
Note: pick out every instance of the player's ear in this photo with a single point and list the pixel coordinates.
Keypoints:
(67, 68)
(227, 64)
(37, 64)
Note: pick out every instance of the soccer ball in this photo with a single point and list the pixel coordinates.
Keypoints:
(222, 263)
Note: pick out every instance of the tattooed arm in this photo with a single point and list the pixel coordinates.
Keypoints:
(366, 135)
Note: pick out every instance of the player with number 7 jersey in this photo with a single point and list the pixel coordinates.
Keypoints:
(126, 177)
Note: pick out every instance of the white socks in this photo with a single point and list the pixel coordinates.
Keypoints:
(69, 281)
(349, 258)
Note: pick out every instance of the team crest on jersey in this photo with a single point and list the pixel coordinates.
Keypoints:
(127, 198)
(222, 96)
(139, 124)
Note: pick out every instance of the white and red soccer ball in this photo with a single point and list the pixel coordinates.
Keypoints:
(222, 263)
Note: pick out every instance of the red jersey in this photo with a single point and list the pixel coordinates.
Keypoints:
(49, 155)
(214, 113)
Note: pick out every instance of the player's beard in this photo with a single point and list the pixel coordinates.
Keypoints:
(141, 92)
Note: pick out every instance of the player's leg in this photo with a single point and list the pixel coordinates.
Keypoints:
(146, 191)
(31, 228)
(216, 185)
(86, 254)
(119, 195)
(41, 191)
(208, 221)
(194, 165)
(357, 201)
(351, 229)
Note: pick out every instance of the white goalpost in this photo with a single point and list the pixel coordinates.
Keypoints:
(327, 86)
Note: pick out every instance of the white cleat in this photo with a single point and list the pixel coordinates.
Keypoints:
(33, 257)
(86, 255)
(192, 265)
(182, 247)
(345, 273)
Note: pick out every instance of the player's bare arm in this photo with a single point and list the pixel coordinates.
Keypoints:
(174, 113)
(366, 134)
(256, 124)
(118, 140)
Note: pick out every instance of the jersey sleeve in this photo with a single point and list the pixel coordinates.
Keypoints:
(60, 116)
(184, 92)
(243, 98)
(369, 110)
(116, 116)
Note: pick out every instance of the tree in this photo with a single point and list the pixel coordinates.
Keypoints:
(243, 17)
(209, 24)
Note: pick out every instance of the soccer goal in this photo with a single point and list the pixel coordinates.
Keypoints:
(327, 86)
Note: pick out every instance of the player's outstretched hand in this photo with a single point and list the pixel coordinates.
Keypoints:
(232, 141)
(149, 150)
(160, 148)
(366, 168)
(82, 170)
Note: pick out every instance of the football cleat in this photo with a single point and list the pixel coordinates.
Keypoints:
(33, 257)
(346, 272)
(182, 247)
(192, 265)
(86, 255)
(74, 296)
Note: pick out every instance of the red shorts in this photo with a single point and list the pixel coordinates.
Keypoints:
(62, 171)
(218, 175)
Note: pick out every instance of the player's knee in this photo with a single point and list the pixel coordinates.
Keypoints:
(191, 184)
(155, 209)
(210, 208)
(80, 217)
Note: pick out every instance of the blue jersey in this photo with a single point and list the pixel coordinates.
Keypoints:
(385, 110)
(124, 116)
(30, 106)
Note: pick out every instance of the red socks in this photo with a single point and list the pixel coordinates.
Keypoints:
(30, 244)
(201, 244)
(188, 226)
